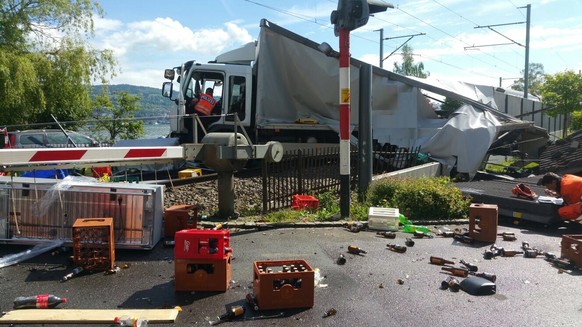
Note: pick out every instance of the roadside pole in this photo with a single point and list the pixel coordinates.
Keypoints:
(344, 94)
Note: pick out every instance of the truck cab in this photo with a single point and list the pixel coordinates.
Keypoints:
(232, 92)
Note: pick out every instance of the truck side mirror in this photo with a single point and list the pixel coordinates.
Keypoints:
(167, 88)
(169, 74)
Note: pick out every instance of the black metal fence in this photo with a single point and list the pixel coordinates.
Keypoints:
(316, 170)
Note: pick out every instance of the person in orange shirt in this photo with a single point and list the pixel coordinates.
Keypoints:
(569, 188)
(205, 103)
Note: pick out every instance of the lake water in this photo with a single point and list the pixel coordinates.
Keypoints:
(151, 132)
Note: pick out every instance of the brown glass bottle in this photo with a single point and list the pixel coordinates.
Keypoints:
(355, 250)
(489, 276)
(469, 266)
(464, 238)
(390, 235)
(396, 248)
(511, 253)
(451, 283)
(440, 261)
(459, 272)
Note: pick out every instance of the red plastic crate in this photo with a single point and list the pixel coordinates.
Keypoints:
(202, 244)
(93, 244)
(302, 202)
(203, 274)
(572, 249)
(177, 218)
(275, 288)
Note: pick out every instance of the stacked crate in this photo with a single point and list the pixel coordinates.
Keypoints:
(93, 244)
(202, 260)
(177, 217)
(282, 284)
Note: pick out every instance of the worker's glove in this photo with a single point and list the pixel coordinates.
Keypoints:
(523, 191)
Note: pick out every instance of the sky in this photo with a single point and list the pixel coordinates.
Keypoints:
(481, 42)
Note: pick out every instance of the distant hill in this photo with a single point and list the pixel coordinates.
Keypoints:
(151, 103)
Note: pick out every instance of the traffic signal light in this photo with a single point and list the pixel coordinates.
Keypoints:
(351, 14)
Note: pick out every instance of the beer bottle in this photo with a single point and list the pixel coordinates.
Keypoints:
(341, 260)
(446, 233)
(470, 267)
(409, 242)
(510, 253)
(43, 301)
(355, 250)
(440, 261)
(509, 238)
(396, 248)
(391, 235)
(529, 253)
(506, 233)
(451, 283)
(464, 238)
(525, 245)
(489, 276)
(459, 272)
(420, 234)
(488, 255)
(233, 312)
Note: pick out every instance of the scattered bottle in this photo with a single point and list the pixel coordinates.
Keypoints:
(409, 242)
(464, 238)
(529, 253)
(42, 301)
(506, 234)
(451, 283)
(446, 233)
(415, 228)
(489, 276)
(470, 267)
(562, 263)
(550, 256)
(459, 272)
(354, 227)
(329, 313)
(341, 260)
(234, 312)
(440, 261)
(525, 245)
(510, 253)
(419, 234)
(396, 248)
(73, 273)
(390, 235)
(252, 301)
(488, 254)
(355, 250)
(509, 238)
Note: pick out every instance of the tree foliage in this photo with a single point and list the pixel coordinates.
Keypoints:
(562, 94)
(46, 66)
(408, 67)
(117, 116)
(536, 78)
(450, 105)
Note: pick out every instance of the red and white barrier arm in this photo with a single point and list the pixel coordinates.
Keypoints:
(72, 156)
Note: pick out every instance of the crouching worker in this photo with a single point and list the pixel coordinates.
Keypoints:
(569, 188)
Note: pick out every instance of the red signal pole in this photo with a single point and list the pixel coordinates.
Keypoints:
(344, 101)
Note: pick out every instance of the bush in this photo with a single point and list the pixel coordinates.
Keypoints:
(420, 199)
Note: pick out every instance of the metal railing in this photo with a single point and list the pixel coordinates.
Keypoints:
(315, 171)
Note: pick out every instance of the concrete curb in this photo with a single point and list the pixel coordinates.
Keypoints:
(338, 223)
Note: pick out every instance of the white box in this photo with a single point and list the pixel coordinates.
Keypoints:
(386, 219)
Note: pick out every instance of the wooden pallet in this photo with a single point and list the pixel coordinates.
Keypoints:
(86, 316)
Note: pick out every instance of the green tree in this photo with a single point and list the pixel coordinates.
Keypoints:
(562, 93)
(450, 105)
(117, 117)
(46, 65)
(408, 67)
(536, 78)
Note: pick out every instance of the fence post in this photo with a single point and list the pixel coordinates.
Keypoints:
(265, 175)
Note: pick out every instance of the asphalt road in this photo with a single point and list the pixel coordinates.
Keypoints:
(365, 291)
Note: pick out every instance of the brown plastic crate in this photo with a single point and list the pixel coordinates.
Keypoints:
(203, 274)
(483, 222)
(93, 244)
(281, 289)
(176, 218)
(572, 249)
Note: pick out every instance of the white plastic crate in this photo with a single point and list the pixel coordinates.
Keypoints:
(386, 219)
